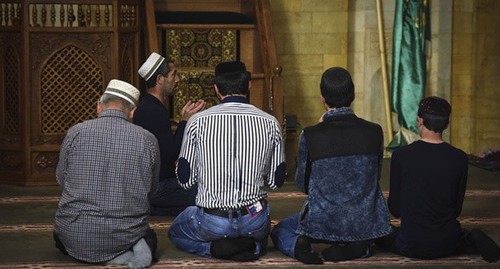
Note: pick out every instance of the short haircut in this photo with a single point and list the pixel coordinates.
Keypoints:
(337, 87)
(435, 113)
(162, 70)
(109, 98)
(232, 78)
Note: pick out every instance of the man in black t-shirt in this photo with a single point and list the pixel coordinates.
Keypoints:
(428, 179)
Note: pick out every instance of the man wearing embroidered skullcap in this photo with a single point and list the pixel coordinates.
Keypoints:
(428, 179)
(152, 114)
(108, 168)
(232, 152)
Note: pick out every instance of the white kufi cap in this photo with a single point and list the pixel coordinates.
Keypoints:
(123, 90)
(151, 65)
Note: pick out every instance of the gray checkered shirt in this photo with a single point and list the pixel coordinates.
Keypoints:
(108, 168)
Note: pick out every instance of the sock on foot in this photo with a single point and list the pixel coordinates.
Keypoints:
(225, 248)
(304, 252)
(488, 249)
(338, 253)
(245, 256)
(122, 259)
(142, 255)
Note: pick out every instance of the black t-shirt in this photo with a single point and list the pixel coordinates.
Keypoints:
(427, 189)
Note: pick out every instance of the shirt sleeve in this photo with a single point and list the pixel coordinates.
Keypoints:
(62, 165)
(278, 164)
(186, 165)
(462, 185)
(394, 200)
(155, 156)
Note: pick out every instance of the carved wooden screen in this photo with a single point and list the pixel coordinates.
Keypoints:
(196, 52)
(11, 94)
(71, 83)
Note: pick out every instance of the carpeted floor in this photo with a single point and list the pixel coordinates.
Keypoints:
(26, 219)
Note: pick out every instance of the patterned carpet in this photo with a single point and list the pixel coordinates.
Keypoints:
(27, 214)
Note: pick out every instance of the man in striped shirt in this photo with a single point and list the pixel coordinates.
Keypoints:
(231, 152)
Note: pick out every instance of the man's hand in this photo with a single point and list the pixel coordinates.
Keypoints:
(191, 108)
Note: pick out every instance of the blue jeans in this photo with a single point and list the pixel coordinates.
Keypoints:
(284, 236)
(193, 230)
(171, 199)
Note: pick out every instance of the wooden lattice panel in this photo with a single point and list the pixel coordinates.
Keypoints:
(127, 64)
(11, 86)
(71, 83)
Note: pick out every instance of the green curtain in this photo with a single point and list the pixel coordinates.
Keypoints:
(411, 33)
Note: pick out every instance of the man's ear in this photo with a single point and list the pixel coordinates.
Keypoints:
(99, 108)
(131, 113)
(420, 121)
(217, 92)
(158, 78)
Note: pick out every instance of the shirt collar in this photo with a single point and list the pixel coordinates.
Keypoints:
(113, 113)
(338, 112)
(235, 99)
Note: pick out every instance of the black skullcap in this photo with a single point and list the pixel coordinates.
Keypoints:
(230, 67)
(434, 106)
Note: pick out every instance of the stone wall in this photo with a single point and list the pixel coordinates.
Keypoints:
(463, 67)
(475, 125)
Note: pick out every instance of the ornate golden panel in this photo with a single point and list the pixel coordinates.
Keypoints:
(196, 52)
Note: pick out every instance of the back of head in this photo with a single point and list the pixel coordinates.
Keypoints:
(232, 78)
(154, 66)
(337, 87)
(120, 92)
(435, 113)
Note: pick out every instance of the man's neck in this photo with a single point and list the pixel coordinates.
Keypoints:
(431, 137)
(157, 93)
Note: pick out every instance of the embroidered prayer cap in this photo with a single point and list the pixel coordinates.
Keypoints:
(123, 90)
(230, 67)
(434, 106)
(151, 65)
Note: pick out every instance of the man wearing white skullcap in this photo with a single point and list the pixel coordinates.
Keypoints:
(152, 114)
(108, 167)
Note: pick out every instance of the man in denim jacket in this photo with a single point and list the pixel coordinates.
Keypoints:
(338, 166)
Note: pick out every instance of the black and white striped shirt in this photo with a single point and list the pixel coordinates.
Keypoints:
(232, 151)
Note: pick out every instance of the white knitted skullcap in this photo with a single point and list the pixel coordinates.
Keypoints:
(123, 90)
(151, 65)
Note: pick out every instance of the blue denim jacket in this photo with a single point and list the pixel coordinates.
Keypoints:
(344, 203)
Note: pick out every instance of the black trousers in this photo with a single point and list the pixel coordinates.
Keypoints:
(388, 243)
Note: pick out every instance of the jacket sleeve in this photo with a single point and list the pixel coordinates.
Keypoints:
(302, 172)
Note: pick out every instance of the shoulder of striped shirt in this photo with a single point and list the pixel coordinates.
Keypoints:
(235, 108)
